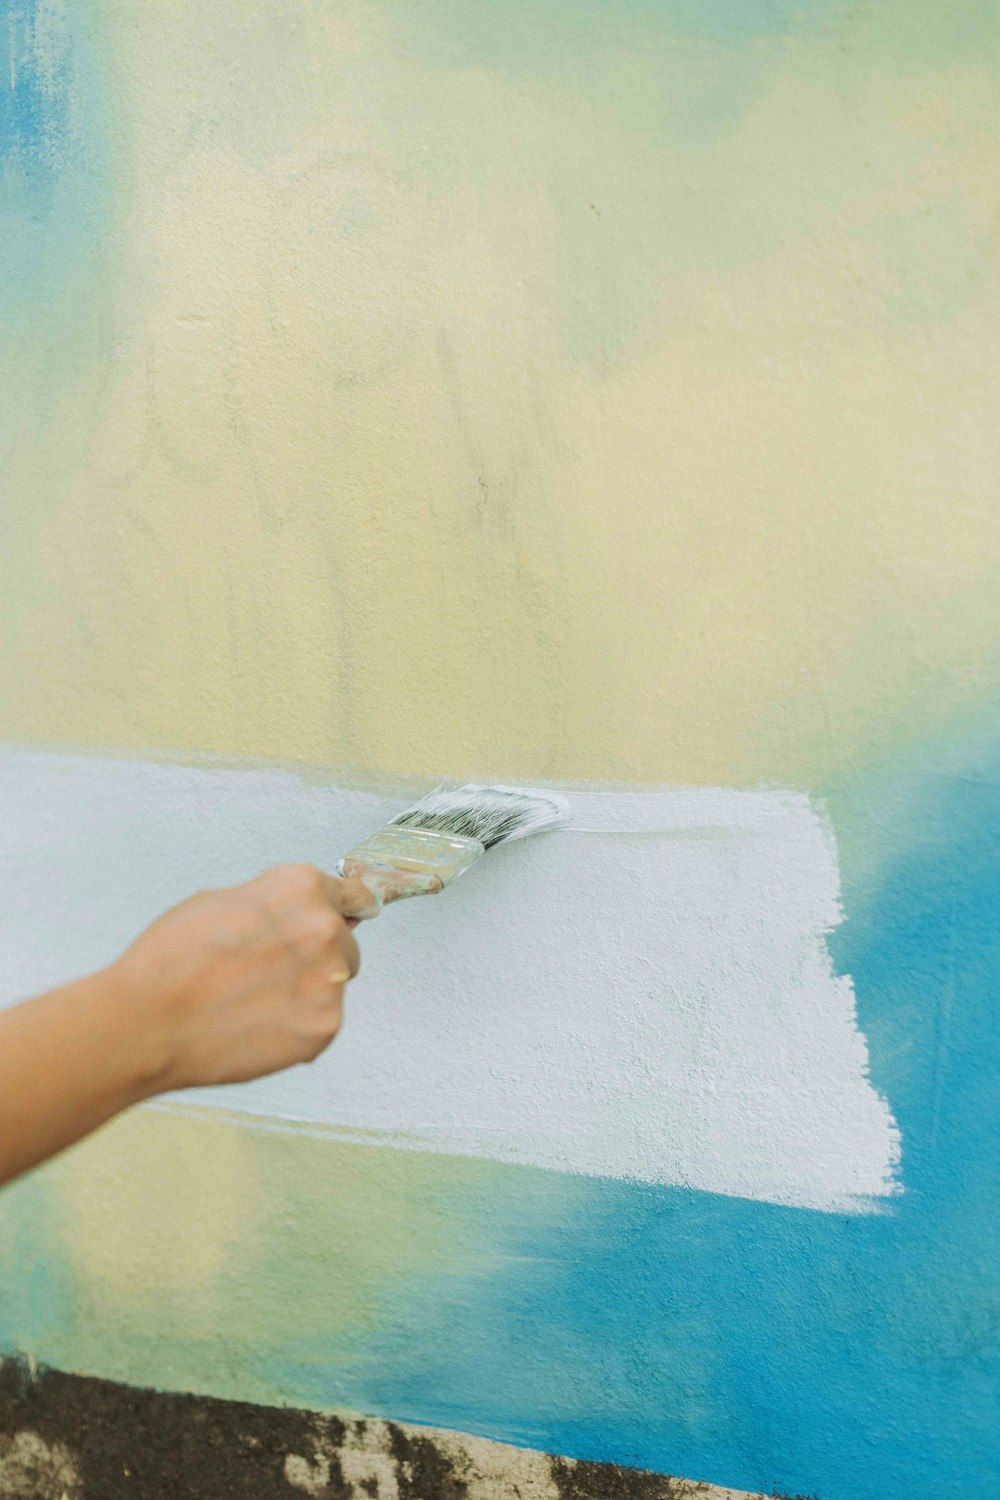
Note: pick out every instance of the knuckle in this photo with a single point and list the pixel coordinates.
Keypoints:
(310, 928)
(312, 879)
(294, 881)
(268, 880)
(324, 924)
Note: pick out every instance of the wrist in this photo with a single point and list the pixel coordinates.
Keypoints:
(136, 1031)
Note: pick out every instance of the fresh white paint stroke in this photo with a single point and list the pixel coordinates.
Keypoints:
(651, 998)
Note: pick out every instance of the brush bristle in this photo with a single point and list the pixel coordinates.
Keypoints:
(491, 814)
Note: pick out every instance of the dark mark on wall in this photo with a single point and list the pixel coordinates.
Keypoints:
(586, 1481)
(422, 1468)
(136, 1443)
(71, 1437)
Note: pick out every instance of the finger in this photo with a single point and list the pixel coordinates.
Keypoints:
(327, 977)
(326, 1019)
(351, 898)
(346, 955)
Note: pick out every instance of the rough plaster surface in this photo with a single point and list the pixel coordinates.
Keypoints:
(557, 389)
(647, 995)
(64, 1437)
(606, 391)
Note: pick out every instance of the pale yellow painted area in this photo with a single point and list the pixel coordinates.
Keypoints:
(231, 1185)
(130, 1238)
(449, 420)
(182, 1248)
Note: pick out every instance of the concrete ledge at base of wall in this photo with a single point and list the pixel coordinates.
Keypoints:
(72, 1437)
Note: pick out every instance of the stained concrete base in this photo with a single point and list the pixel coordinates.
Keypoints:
(70, 1437)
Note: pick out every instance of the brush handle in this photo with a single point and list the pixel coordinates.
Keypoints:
(388, 883)
(400, 861)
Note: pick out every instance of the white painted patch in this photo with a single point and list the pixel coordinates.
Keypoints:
(651, 998)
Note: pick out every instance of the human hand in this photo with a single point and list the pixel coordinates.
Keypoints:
(236, 983)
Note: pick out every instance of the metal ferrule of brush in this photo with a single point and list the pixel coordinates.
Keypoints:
(398, 861)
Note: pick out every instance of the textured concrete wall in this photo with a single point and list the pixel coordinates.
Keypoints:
(595, 391)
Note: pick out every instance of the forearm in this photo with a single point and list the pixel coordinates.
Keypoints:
(229, 985)
(69, 1061)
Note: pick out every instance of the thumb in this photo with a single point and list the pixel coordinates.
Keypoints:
(352, 898)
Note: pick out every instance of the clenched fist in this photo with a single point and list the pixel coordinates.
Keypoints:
(241, 982)
(229, 985)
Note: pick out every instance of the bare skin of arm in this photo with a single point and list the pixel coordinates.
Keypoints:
(229, 985)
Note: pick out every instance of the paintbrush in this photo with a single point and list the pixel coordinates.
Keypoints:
(430, 845)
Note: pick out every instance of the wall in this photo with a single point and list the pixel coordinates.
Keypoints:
(597, 395)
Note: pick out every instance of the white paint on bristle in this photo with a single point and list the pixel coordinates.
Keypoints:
(492, 814)
(652, 998)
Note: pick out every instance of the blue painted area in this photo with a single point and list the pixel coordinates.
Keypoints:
(34, 95)
(857, 1358)
(39, 1300)
(57, 249)
(54, 188)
